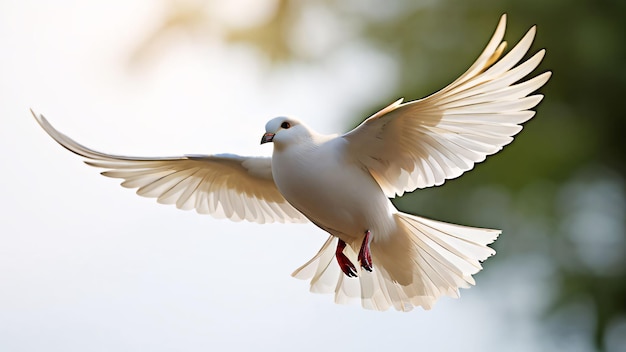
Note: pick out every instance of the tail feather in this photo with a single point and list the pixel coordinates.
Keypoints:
(422, 261)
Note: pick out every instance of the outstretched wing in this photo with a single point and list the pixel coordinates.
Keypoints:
(231, 186)
(424, 142)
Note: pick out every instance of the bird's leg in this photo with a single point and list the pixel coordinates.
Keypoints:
(365, 257)
(344, 263)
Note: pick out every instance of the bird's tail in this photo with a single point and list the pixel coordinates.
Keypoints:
(422, 261)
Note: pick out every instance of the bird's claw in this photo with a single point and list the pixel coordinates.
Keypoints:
(365, 257)
(346, 266)
(344, 263)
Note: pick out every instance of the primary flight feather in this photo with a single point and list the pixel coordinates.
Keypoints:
(342, 183)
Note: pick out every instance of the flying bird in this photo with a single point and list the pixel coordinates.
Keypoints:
(343, 183)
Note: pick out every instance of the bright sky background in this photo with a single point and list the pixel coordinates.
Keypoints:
(86, 265)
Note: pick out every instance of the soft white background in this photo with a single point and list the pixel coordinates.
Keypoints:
(86, 265)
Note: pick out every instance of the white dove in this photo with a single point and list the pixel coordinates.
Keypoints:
(342, 183)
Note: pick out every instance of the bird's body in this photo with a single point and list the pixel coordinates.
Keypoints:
(342, 183)
(346, 202)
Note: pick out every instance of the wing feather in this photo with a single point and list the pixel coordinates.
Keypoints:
(231, 186)
(422, 143)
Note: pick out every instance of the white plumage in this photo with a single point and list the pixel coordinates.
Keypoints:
(343, 183)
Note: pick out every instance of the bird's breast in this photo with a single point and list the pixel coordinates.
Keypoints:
(334, 193)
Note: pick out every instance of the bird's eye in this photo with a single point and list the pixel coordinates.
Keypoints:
(285, 125)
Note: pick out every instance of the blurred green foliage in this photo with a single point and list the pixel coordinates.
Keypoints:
(558, 192)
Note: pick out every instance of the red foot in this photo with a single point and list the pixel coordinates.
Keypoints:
(365, 257)
(344, 263)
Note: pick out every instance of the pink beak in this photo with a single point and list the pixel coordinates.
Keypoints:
(268, 137)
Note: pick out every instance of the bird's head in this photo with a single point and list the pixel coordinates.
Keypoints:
(284, 131)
